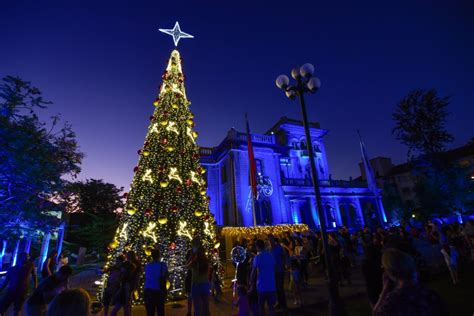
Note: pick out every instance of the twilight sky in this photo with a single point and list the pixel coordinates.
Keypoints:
(101, 62)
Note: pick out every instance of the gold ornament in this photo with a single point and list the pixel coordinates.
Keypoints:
(164, 123)
(175, 106)
(190, 122)
(170, 148)
(131, 210)
(164, 184)
(198, 213)
(162, 220)
(146, 153)
(203, 192)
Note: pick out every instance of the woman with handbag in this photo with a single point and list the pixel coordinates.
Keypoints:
(156, 275)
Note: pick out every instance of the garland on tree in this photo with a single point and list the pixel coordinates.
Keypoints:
(167, 206)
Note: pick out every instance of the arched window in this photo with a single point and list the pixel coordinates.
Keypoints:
(259, 165)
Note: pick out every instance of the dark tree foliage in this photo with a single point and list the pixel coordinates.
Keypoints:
(444, 189)
(93, 221)
(34, 157)
(420, 119)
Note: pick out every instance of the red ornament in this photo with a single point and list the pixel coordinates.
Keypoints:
(148, 212)
(139, 151)
(125, 195)
(174, 209)
(206, 217)
(172, 246)
(189, 182)
(136, 169)
(147, 143)
(152, 118)
(199, 170)
(179, 189)
(164, 141)
(161, 169)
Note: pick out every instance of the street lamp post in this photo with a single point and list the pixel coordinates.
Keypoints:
(305, 82)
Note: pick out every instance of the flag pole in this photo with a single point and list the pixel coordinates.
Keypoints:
(252, 170)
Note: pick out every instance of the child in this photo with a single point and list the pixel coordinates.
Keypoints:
(242, 301)
(216, 288)
(296, 280)
(451, 258)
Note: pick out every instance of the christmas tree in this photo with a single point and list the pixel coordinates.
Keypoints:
(167, 206)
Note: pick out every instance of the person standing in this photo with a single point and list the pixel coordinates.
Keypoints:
(123, 298)
(17, 280)
(280, 258)
(75, 302)
(263, 270)
(63, 260)
(450, 255)
(53, 285)
(156, 275)
(200, 287)
(49, 265)
(113, 284)
(401, 293)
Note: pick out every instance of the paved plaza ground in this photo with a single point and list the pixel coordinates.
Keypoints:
(458, 299)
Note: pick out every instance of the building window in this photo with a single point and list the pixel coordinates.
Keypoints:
(224, 173)
(259, 166)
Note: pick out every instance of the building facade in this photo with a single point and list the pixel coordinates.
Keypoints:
(286, 195)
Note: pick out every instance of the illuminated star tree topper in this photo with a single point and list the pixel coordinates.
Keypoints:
(176, 33)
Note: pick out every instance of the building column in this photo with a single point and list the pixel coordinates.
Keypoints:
(382, 216)
(27, 245)
(44, 249)
(314, 211)
(59, 242)
(15, 252)
(295, 212)
(360, 215)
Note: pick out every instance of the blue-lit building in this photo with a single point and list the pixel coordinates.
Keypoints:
(285, 188)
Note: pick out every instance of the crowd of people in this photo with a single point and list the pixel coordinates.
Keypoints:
(52, 290)
(392, 262)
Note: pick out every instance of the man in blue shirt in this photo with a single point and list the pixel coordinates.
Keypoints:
(263, 270)
(280, 259)
(156, 275)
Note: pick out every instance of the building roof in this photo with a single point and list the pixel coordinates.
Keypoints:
(286, 120)
(449, 155)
